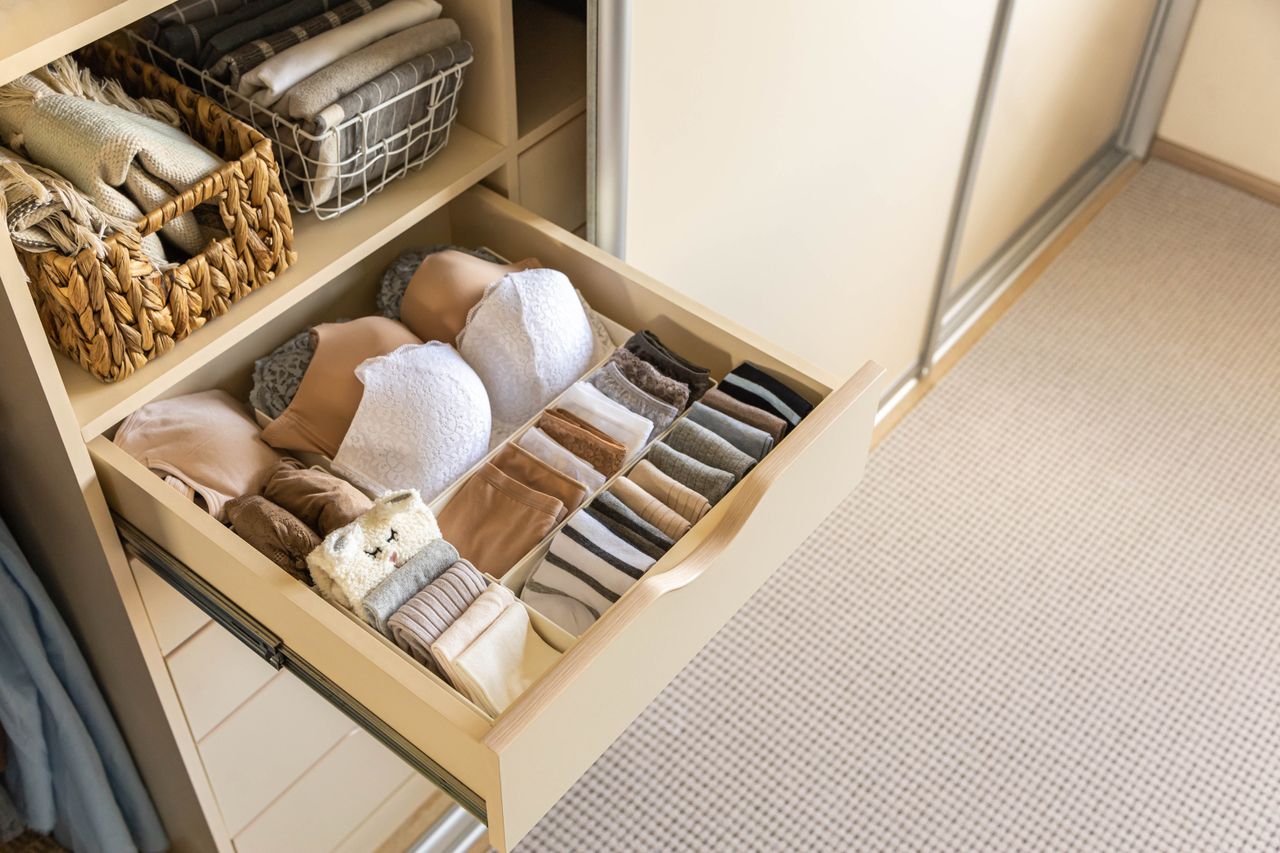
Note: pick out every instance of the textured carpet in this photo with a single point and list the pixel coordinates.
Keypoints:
(1048, 618)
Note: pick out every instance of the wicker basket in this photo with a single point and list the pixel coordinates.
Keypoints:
(114, 314)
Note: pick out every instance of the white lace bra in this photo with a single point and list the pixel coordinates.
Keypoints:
(423, 421)
(528, 339)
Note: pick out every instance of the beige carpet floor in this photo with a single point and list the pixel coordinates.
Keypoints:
(1048, 618)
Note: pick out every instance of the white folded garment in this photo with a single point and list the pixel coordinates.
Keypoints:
(503, 661)
(267, 83)
(563, 460)
(611, 418)
(585, 571)
(481, 613)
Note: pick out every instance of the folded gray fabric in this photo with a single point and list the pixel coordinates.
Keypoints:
(306, 99)
(185, 41)
(125, 162)
(395, 280)
(645, 375)
(405, 582)
(292, 13)
(423, 618)
(190, 11)
(276, 376)
(611, 506)
(610, 382)
(394, 132)
(251, 54)
(750, 440)
(695, 440)
(712, 483)
(627, 534)
(647, 346)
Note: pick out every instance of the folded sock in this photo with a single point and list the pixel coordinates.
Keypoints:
(649, 508)
(585, 571)
(629, 535)
(324, 502)
(355, 558)
(645, 375)
(610, 382)
(753, 386)
(712, 483)
(583, 440)
(695, 440)
(771, 424)
(425, 616)
(750, 440)
(615, 420)
(504, 661)
(689, 504)
(608, 505)
(541, 445)
(646, 345)
(494, 520)
(454, 640)
(405, 582)
(277, 533)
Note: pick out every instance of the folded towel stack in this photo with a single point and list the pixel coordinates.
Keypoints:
(354, 93)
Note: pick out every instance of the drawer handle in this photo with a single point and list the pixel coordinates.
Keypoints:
(742, 503)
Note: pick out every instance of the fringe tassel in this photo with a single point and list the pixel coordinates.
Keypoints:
(64, 76)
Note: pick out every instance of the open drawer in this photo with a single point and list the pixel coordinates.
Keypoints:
(509, 771)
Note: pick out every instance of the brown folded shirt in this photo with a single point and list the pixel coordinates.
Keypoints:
(275, 532)
(748, 414)
(322, 501)
(521, 465)
(583, 440)
(494, 520)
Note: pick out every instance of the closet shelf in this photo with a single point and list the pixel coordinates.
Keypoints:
(36, 32)
(325, 249)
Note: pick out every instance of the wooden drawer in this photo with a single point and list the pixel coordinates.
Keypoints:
(509, 771)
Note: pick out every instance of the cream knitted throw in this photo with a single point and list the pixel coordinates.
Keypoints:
(44, 212)
(125, 161)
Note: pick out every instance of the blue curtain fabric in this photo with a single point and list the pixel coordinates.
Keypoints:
(69, 772)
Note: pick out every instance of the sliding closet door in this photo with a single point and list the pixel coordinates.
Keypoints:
(1063, 82)
(793, 166)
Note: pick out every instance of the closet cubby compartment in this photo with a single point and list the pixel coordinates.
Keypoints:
(551, 65)
(515, 766)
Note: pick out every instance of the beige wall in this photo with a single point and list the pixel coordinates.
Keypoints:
(795, 171)
(1062, 88)
(1225, 101)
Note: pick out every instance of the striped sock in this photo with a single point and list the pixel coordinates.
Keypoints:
(752, 385)
(585, 571)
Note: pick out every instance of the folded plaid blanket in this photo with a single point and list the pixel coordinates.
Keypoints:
(185, 41)
(249, 56)
(336, 155)
(273, 21)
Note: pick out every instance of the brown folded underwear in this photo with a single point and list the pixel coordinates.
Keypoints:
(494, 520)
(323, 502)
(522, 466)
(279, 534)
(583, 440)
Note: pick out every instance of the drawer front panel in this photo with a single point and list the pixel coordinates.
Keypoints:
(512, 769)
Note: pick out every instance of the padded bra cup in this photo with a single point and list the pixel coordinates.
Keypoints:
(320, 413)
(528, 339)
(445, 288)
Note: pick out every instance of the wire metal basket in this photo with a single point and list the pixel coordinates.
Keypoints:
(330, 172)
